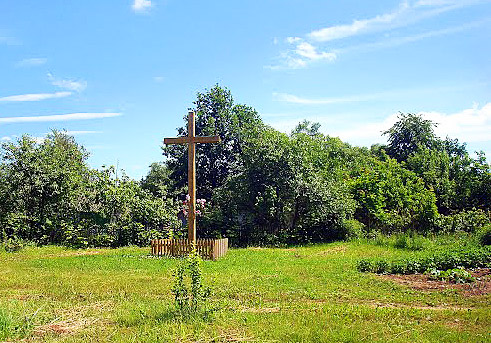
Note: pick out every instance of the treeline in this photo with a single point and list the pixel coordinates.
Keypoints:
(261, 186)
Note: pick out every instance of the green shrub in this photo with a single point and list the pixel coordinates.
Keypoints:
(468, 221)
(14, 244)
(409, 241)
(354, 229)
(484, 235)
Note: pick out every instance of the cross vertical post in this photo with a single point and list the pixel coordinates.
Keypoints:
(191, 179)
(191, 140)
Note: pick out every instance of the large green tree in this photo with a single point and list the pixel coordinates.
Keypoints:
(410, 133)
(216, 114)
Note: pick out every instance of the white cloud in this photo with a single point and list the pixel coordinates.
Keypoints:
(306, 49)
(58, 117)
(359, 26)
(5, 139)
(78, 133)
(386, 95)
(31, 62)
(396, 41)
(141, 5)
(34, 97)
(77, 86)
(469, 125)
(292, 40)
(285, 97)
(158, 79)
(407, 13)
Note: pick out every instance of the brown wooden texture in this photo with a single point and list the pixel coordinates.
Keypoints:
(208, 248)
(191, 140)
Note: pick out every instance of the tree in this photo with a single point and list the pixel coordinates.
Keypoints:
(410, 133)
(391, 198)
(288, 189)
(216, 114)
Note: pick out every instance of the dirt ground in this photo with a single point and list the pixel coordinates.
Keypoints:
(481, 286)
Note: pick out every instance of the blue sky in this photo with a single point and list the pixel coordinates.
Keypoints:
(120, 75)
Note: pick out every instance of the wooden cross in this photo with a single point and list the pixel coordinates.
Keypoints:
(191, 140)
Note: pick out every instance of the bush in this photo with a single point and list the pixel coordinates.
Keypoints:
(484, 235)
(468, 221)
(14, 244)
(409, 241)
(354, 229)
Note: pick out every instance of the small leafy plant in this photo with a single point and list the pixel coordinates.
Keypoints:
(443, 260)
(455, 275)
(190, 295)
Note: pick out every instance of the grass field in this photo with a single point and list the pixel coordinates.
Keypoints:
(305, 294)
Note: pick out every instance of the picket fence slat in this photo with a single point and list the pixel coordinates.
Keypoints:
(207, 248)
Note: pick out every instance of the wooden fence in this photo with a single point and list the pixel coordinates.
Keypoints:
(208, 248)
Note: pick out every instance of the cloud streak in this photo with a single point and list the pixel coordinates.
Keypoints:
(73, 85)
(304, 51)
(407, 13)
(34, 97)
(31, 62)
(58, 117)
(294, 99)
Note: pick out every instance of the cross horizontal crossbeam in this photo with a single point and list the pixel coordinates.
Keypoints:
(184, 140)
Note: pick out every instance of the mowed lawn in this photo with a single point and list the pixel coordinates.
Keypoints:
(305, 294)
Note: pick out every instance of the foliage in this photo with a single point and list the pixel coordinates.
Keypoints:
(216, 114)
(391, 198)
(190, 295)
(287, 190)
(408, 134)
(50, 195)
(467, 221)
(484, 235)
(469, 257)
(455, 275)
(409, 241)
(13, 244)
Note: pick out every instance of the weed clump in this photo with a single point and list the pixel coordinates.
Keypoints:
(190, 295)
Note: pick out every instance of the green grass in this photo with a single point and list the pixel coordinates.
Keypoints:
(304, 294)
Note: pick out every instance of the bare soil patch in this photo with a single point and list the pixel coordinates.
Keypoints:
(482, 285)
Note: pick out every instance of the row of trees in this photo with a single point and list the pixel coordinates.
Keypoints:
(264, 187)
(49, 194)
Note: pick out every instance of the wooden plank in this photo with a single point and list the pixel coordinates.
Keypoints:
(177, 140)
(206, 139)
(191, 180)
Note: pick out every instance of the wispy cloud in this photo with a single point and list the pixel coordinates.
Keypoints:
(396, 41)
(285, 97)
(407, 13)
(78, 133)
(302, 51)
(58, 117)
(5, 139)
(31, 62)
(158, 79)
(141, 5)
(391, 94)
(34, 97)
(74, 85)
